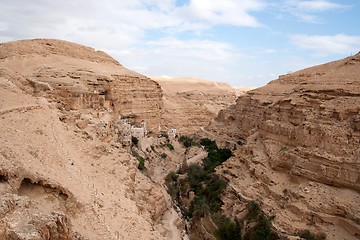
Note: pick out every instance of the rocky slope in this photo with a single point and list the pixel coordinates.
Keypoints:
(301, 157)
(78, 77)
(191, 103)
(63, 174)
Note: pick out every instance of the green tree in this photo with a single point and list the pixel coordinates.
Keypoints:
(187, 141)
(228, 229)
(262, 230)
(199, 207)
(209, 145)
(196, 175)
(215, 158)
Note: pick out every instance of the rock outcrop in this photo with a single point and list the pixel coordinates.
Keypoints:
(78, 77)
(63, 175)
(302, 157)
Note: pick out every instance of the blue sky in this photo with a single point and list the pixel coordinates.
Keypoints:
(242, 42)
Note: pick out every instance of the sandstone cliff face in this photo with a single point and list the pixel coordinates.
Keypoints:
(309, 121)
(302, 131)
(80, 78)
(59, 176)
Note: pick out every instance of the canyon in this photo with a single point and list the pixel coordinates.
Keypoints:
(86, 146)
(301, 154)
(195, 102)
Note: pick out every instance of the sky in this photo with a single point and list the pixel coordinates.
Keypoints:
(241, 42)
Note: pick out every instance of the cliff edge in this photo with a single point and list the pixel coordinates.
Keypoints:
(63, 173)
(299, 153)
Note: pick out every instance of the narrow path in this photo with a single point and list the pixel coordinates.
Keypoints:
(21, 109)
(197, 158)
(170, 218)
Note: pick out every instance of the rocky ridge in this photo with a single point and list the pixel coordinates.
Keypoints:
(301, 153)
(78, 78)
(63, 175)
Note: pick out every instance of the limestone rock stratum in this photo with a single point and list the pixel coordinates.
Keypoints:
(79, 77)
(63, 175)
(301, 157)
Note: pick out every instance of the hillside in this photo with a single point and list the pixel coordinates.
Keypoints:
(63, 173)
(191, 103)
(300, 156)
(70, 169)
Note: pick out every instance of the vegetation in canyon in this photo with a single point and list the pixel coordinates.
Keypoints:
(196, 189)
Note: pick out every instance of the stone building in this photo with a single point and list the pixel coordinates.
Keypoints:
(172, 132)
(126, 131)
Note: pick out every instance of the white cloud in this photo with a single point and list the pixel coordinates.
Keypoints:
(3, 26)
(122, 22)
(267, 51)
(308, 11)
(325, 45)
(176, 57)
(98, 23)
(231, 12)
(195, 49)
(152, 36)
(317, 5)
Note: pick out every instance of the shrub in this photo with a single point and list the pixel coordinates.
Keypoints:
(170, 146)
(209, 144)
(254, 210)
(207, 186)
(262, 230)
(215, 158)
(163, 155)
(224, 154)
(199, 208)
(194, 143)
(141, 165)
(187, 141)
(228, 229)
(320, 236)
(171, 181)
(173, 190)
(171, 177)
(196, 175)
(306, 234)
(214, 188)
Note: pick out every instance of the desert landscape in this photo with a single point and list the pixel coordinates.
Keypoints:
(194, 102)
(92, 150)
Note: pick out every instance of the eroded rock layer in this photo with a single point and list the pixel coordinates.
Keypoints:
(63, 175)
(302, 157)
(78, 77)
(309, 121)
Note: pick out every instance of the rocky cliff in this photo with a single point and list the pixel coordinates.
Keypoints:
(78, 77)
(63, 175)
(301, 156)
